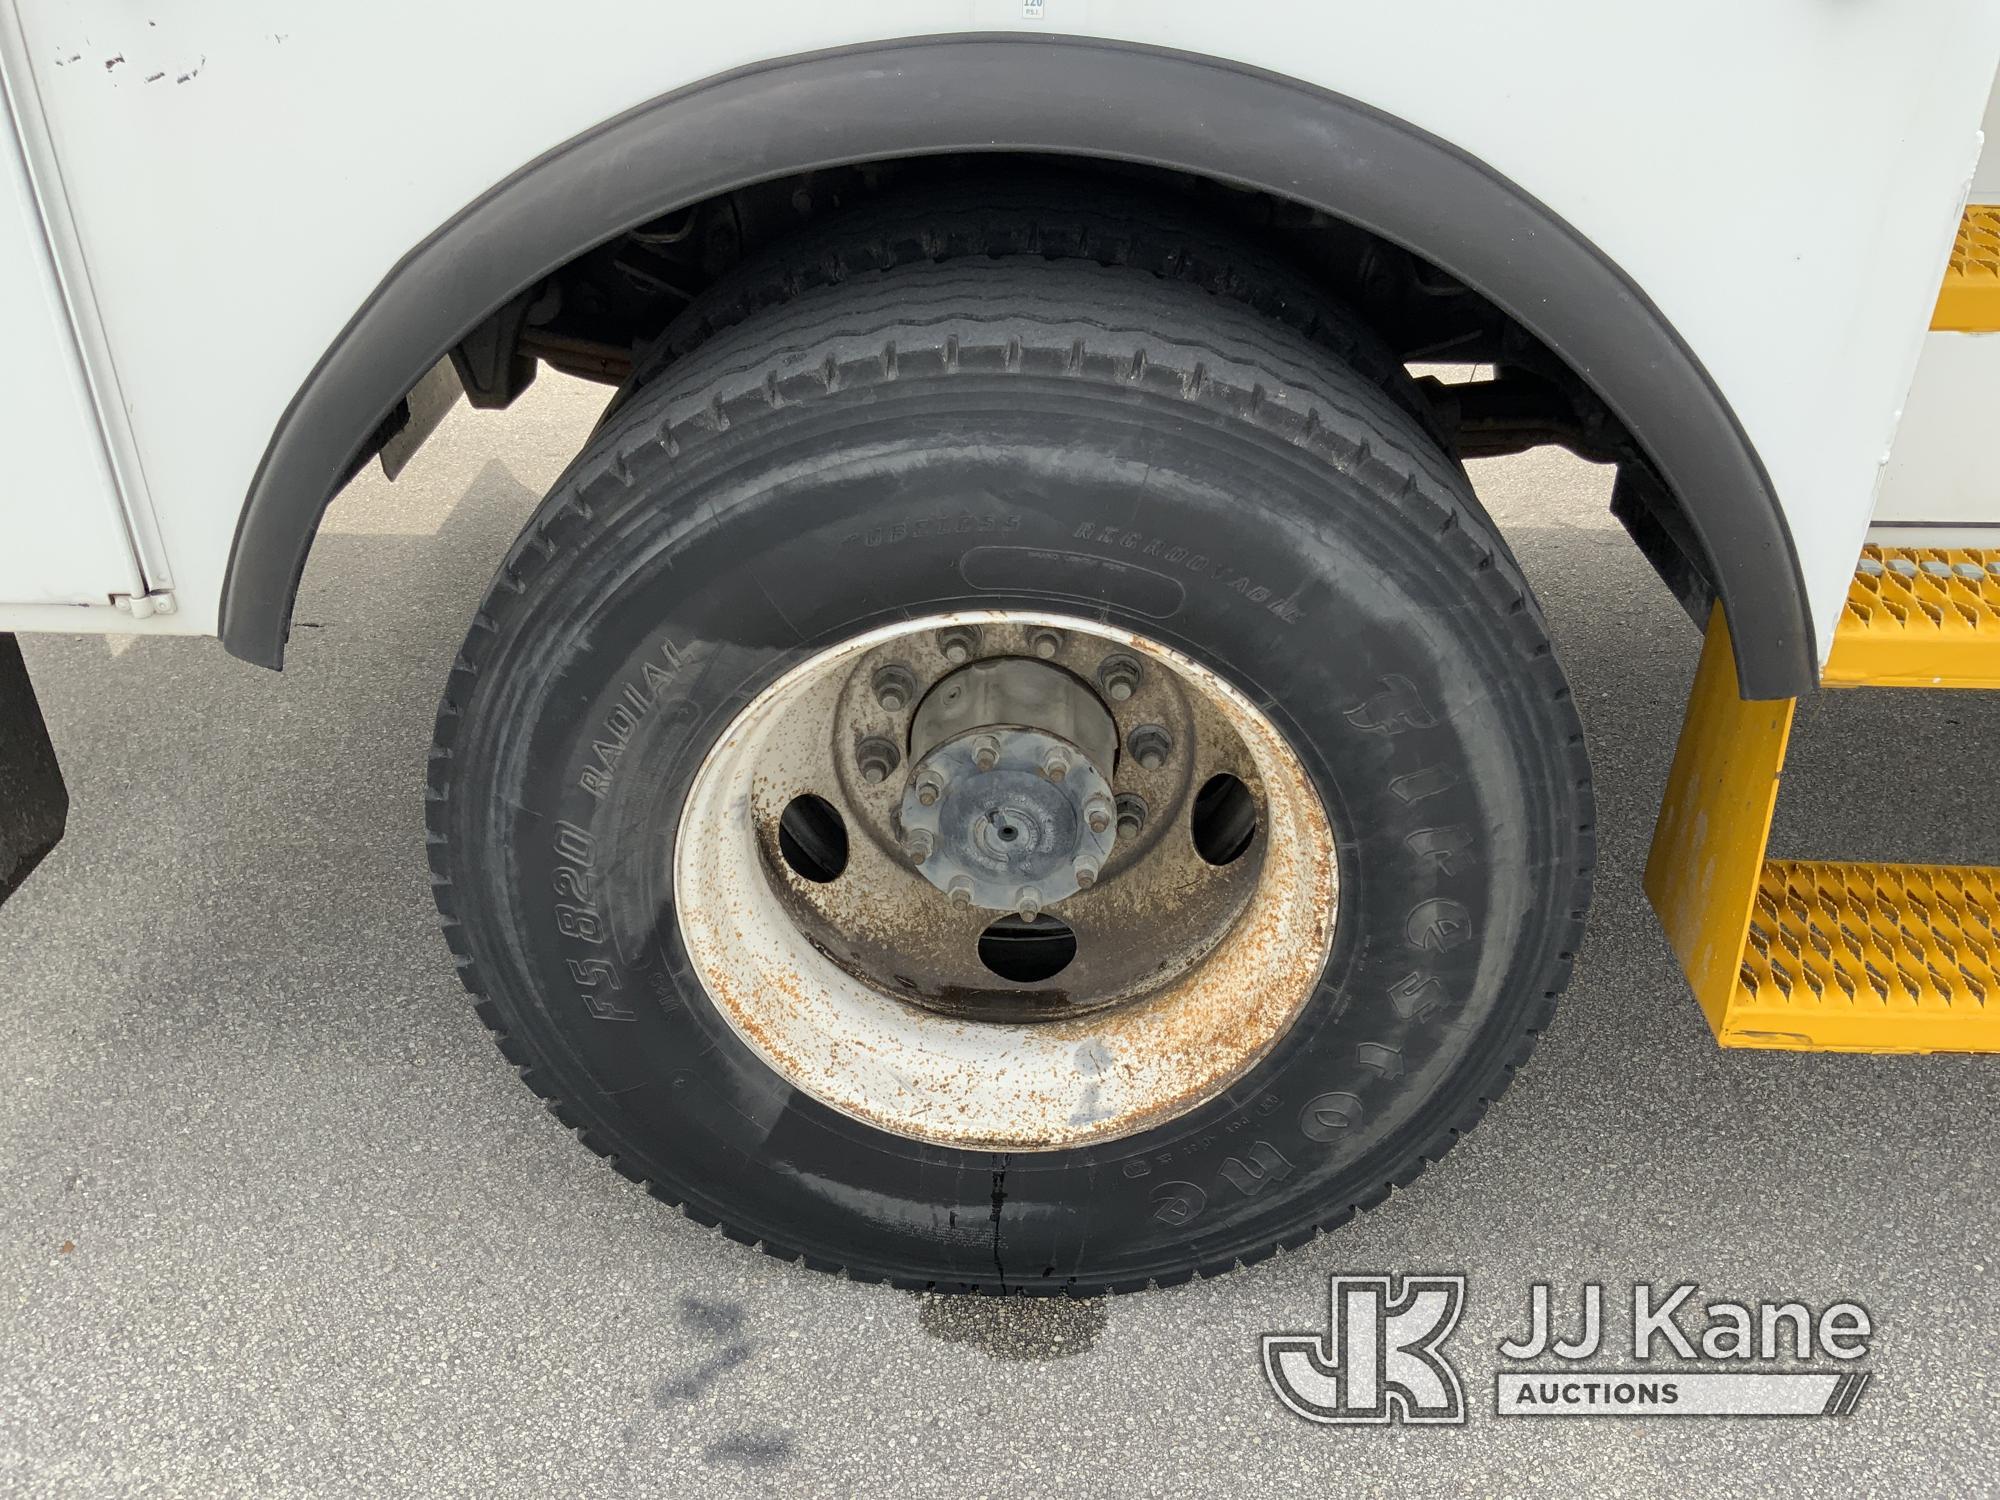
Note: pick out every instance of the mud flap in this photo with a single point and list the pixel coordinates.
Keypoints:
(34, 804)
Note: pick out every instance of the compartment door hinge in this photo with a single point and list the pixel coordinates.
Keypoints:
(145, 606)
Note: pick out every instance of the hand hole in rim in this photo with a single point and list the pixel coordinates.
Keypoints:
(1224, 819)
(812, 836)
(870, 993)
(1027, 952)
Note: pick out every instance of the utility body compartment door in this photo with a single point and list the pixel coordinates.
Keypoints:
(63, 537)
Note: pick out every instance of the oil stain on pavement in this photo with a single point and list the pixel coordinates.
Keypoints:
(721, 1324)
(1014, 1328)
(714, 1323)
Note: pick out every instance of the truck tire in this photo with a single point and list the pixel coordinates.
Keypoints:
(1035, 212)
(678, 817)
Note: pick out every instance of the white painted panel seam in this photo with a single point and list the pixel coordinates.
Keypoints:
(64, 249)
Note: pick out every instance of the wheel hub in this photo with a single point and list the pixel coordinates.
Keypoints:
(894, 820)
(1008, 804)
(1016, 819)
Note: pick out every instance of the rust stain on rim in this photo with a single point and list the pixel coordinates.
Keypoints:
(986, 1085)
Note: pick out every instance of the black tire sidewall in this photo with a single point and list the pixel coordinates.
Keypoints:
(1430, 729)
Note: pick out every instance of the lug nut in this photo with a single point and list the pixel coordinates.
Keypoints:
(895, 685)
(877, 758)
(1131, 815)
(1028, 903)
(1150, 746)
(1055, 765)
(961, 892)
(986, 752)
(1045, 643)
(918, 842)
(959, 644)
(1119, 677)
(1086, 872)
(1097, 813)
(930, 786)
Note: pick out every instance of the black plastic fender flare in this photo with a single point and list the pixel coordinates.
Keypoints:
(1058, 95)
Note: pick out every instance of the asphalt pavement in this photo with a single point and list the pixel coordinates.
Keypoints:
(276, 1220)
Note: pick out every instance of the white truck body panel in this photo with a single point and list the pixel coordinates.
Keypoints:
(1940, 488)
(1986, 180)
(1777, 178)
(67, 543)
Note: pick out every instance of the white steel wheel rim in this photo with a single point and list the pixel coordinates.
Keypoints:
(984, 1084)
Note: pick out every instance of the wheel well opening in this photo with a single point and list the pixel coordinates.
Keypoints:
(593, 316)
(668, 195)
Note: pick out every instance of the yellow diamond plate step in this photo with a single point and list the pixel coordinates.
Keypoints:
(1919, 617)
(1969, 301)
(1870, 958)
(1798, 953)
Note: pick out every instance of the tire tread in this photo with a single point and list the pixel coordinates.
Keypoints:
(865, 320)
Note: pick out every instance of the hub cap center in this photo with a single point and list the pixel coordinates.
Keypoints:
(997, 833)
(1008, 804)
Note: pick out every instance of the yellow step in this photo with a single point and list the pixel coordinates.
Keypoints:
(1919, 617)
(1808, 954)
(1969, 301)
(1870, 958)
